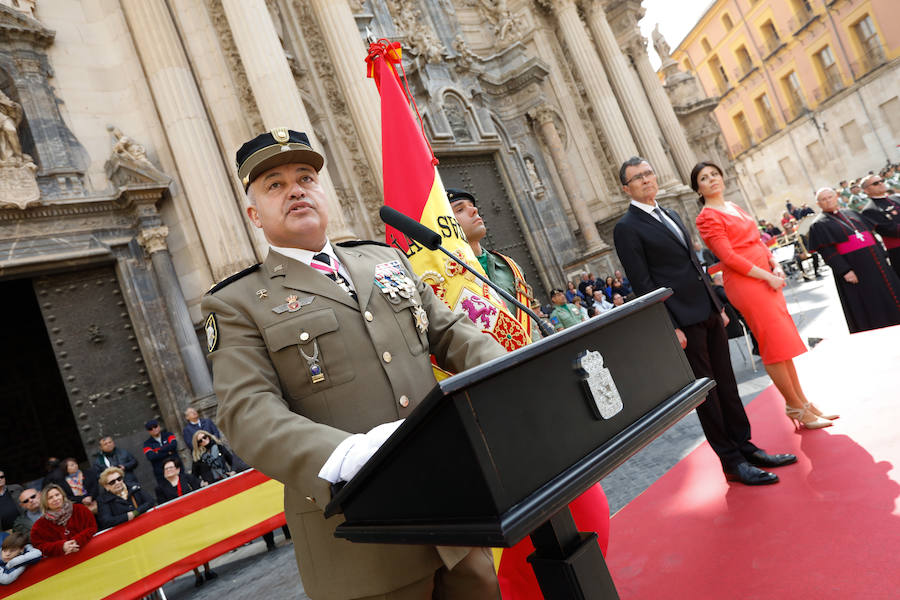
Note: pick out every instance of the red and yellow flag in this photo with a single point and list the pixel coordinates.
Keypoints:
(413, 186)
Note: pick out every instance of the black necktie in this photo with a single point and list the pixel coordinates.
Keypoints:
(328, 267)
(659, 214)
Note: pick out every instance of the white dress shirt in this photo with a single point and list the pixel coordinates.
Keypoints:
(306, 256)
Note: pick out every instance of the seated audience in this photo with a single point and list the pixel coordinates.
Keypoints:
(607, 288)
(582, 309)
(159, 446)
(564, 314)
(178, 484)
(212, 460)
(601, 303)
(195, 424)
(65, 526)
(9, 505)
(111, 456)
(16, 554)
(30, 501)
(118, 504)
(626, 285)
(572, 293)
(618, 300)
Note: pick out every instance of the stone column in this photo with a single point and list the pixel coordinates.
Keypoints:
(275, 90)
(153, 241)
(346, 50)
(662, 108)
(637, 111)
(190, 135)
(593, 76)
(544, 116)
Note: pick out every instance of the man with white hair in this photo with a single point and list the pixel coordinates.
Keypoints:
(869, 290)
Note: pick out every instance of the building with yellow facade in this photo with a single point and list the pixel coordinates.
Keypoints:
(807, 91)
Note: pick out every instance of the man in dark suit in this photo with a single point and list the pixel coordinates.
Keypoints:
(655, 248)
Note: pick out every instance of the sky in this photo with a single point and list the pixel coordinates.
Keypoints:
(675, 18)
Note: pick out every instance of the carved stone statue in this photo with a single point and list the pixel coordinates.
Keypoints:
(18, 186)
(127, 148)
(506, 26)
(660, 44)
(10, 117)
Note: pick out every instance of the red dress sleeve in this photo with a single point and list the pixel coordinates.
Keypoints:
(711, 226)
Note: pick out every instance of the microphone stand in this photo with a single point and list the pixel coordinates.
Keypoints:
(543, 327)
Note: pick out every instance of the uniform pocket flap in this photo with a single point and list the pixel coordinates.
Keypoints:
(301, 329)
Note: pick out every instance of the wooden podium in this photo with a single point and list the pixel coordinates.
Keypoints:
(497, 452)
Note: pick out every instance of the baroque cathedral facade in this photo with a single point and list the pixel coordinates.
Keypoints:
(120, 204)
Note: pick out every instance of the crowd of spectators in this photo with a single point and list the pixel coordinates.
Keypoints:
(587, 298)
(59, 513)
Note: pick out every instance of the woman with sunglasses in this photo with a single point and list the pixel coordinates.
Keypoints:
(118, 504)
(212, 460)
(65, 526)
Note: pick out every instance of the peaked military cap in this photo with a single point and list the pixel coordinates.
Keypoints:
(277, 147)
(456, 195)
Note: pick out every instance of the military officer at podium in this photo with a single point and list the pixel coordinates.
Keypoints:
(655, 248)
(317, 355)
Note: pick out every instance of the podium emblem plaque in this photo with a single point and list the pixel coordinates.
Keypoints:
(598, 384)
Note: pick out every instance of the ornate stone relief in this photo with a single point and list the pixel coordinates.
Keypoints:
(507, 26)
(127, 148)
(153, 239)
(239, 75)
(417, 30)
(455, 112)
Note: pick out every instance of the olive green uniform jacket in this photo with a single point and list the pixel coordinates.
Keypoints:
(374, 360)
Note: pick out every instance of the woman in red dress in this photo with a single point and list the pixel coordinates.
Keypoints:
(753, 282)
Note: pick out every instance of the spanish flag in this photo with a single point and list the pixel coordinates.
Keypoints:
(413, 186)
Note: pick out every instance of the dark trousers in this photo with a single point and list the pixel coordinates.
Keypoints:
(722, 415)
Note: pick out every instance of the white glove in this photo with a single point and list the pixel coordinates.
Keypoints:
(351, 454)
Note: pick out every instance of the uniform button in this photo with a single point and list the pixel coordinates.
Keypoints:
(311, 499)
(368, 316)
(404, 401)
(387, 357)
(304, 336)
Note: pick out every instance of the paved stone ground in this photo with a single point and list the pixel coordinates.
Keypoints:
(250, 572)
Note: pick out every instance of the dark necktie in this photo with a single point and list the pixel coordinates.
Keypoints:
(659, 215)
(329, 267)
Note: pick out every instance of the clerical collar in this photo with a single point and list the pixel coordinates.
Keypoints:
(305, 256)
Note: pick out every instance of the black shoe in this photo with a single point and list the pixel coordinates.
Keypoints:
(761, 459)
(198, 580)
(211, 575)
(270, 547)
(750, 475)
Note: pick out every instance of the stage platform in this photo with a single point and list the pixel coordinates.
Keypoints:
(829, 529)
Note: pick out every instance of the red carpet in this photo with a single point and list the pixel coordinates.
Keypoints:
(829, 529)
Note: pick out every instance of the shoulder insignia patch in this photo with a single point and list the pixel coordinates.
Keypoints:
(355, 243)
(233, 278)
(212, 332)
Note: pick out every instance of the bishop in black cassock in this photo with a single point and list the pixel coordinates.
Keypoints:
(867, 286)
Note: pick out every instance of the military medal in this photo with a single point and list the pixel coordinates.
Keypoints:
(292, 304)
(421, 318)
(312, 363)
(393, 281)
(262, 294)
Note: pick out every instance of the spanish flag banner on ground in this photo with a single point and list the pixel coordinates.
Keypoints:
(133, 559)
(413, 186)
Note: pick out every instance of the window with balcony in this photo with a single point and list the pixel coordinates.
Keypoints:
(770, 36)
(803, 14)
(745, 63)
(718, 73)
(790, 83)
(704, 43)
(743, 130)
(872, 52)
(766, 116)
(727, 23)
(831, 75)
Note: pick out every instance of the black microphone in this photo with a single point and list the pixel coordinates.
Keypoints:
(410, 227)
(432, 240)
